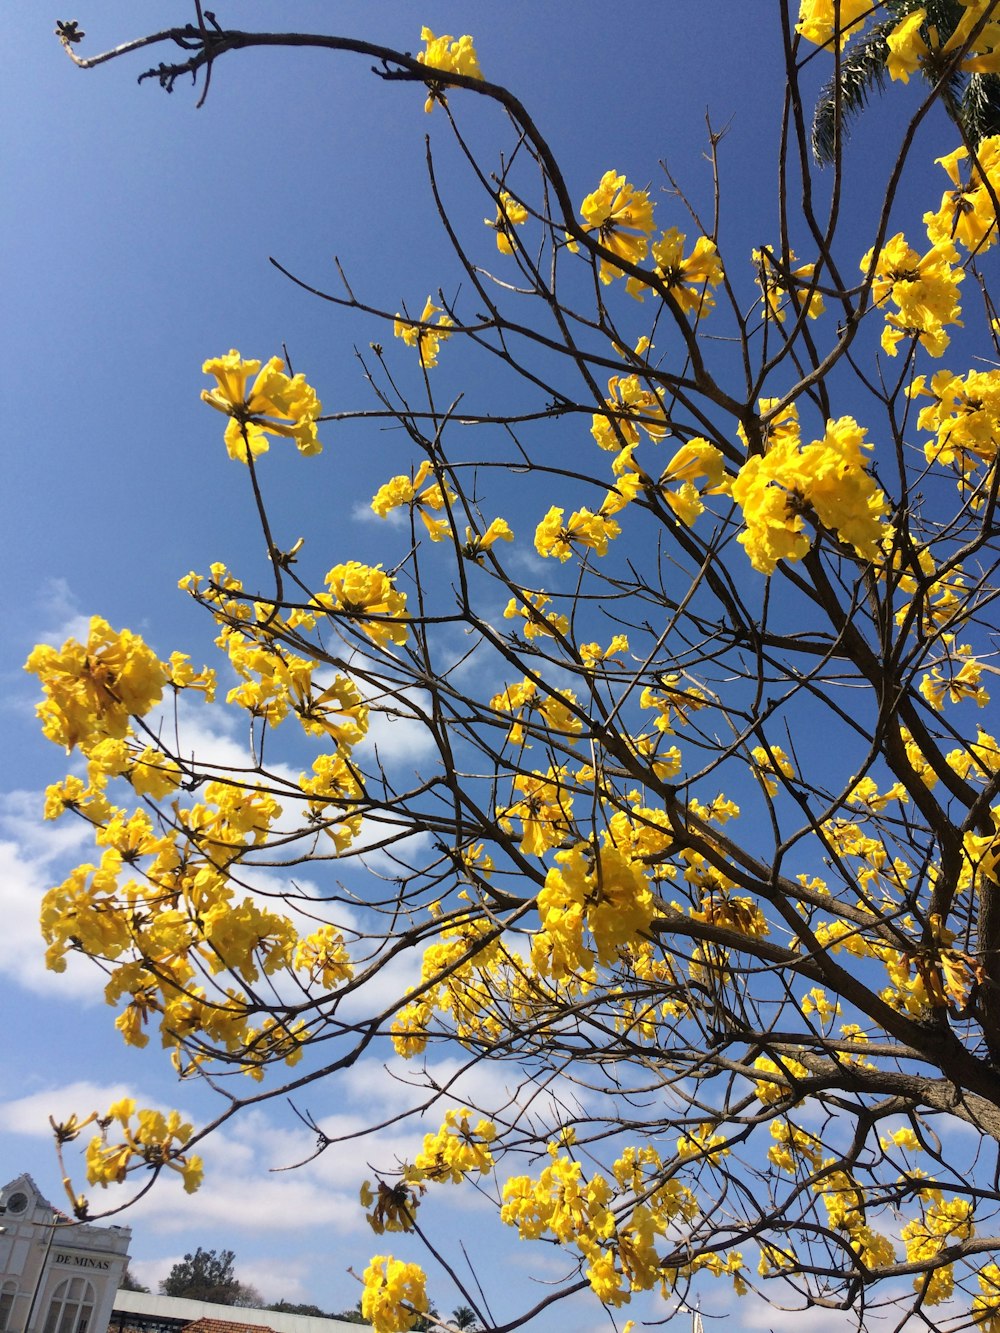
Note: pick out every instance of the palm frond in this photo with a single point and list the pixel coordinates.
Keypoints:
(862, 72)
(979, 109)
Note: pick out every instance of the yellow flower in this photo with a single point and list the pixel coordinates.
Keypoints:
(583, 528)
(622, 217)
(605, 895)
(324, 957)
(451, 54)
(986, 1307)
(818, 19)
(154, 775)
(510, 214)
(777, 283)
(458, 1149)
(695, 459)
(538, 622)
(960, 682)
(538, 712)
(965, 416)
(632, 407)
(545, 811)
(252, 412)
(476, 543)
(907, 48)
(424, 336)
(435, 496)
(687, 279)
(366, 596)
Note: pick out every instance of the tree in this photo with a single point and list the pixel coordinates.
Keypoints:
(292, 1307)
(464, 1318)
(702, 844)
(209, 1275)
(129, 1282)
(353, 1316)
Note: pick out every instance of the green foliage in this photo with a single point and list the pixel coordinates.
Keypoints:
(129, 1282)
(209, 1275)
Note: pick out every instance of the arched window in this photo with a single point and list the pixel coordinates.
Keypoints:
(8, 1290)
(72, 1307)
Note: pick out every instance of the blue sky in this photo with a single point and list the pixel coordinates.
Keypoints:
(138, 231)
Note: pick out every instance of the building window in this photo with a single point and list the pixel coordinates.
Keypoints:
(8, 1290)
(72, 1307)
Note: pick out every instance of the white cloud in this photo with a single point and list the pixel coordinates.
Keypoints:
(60, 613)
(27, 871)
(362, 512)
(30, 1114)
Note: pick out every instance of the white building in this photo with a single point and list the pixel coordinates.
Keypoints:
(139, 1312)
(56, 1276)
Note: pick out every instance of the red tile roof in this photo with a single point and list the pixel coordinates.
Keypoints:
(226, 1326)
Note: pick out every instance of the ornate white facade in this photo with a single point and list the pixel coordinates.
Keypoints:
(55, 1276)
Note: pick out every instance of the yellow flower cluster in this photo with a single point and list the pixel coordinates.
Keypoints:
(276, 683)
(631, 407)
(560, 1201)
(781, 285)
(702, 1144)
(323, 957)
(686, 278)
(986, 1306)
(769, 765)
(779, 1085)
(964, 414)
(477, 543)
(545, 811)
(924, 289)
(967, 214)
(454, 55)
(335, 791)
(423, 335)
(155, 1140)
(844, 1201)
(536, 712)
(395, 1294)
(693, 461)
(583, 530)
(674, 702)
(604, 897)
(275, 404)
(91, 690)
(622, 218)
(402, 491)
(538, 623)
(794, 1149)
(366, 596)
(943, 1222)
(957, 678)
(621, 1256)
(914, 42)
(827, 478)
(458, 1149)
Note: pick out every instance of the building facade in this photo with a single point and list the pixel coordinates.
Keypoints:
(56, 1276)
